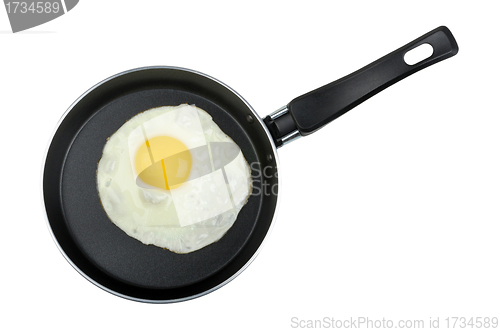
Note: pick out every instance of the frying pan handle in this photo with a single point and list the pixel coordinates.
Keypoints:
(311, 111)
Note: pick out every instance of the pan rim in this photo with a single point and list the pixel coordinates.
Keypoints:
(137, 299)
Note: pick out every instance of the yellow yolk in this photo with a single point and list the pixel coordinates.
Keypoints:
(163, 162)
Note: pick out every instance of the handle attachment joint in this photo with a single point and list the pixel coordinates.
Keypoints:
(282, 127)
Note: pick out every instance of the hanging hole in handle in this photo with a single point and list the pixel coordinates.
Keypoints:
(417, 54)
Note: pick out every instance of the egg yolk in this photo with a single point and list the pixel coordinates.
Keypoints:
(163, 162)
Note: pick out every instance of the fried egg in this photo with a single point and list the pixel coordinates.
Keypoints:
(172, 178)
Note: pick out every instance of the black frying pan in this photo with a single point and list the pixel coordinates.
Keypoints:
(112, 260)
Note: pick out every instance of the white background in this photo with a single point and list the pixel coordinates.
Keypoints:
(392, 211)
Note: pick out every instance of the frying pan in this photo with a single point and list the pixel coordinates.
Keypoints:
(123, 266)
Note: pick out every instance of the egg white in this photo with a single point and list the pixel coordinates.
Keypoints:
(197, 213)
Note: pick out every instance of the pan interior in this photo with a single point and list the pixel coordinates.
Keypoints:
(102, 251)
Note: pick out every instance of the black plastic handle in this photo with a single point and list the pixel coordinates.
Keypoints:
(315, 109)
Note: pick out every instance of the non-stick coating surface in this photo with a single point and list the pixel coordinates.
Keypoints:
(99, 248)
